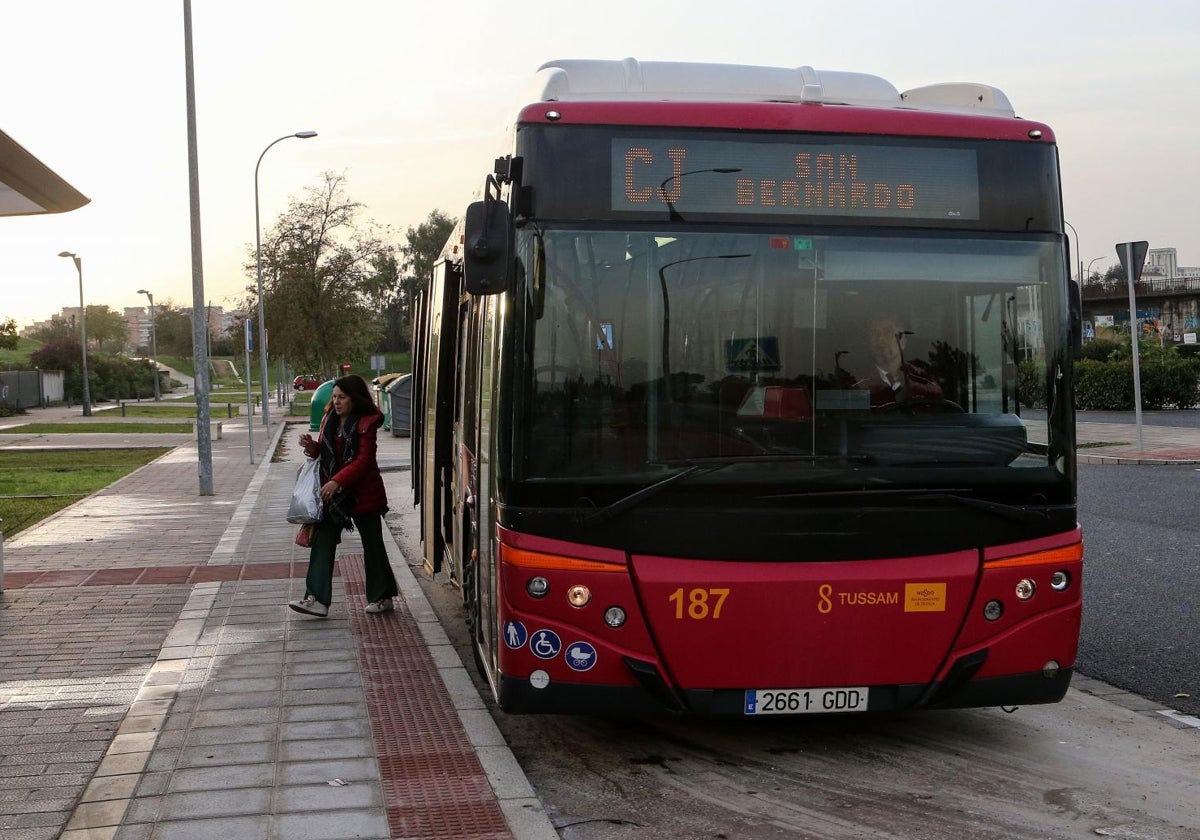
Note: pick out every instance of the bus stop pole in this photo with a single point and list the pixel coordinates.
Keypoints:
(249, 404)
(1134, 340)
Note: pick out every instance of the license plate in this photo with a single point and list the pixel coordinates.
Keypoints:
(802, 701)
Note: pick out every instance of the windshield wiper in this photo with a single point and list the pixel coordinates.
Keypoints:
(638, 496)
(1021, 513)
(694, 466)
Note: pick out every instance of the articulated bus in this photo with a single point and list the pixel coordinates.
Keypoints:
(650, 439)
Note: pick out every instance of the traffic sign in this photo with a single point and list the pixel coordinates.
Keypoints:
(1133, 257)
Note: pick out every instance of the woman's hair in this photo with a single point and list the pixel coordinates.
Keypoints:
(355, 387)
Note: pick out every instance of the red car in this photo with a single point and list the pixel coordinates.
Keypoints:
(307, 381)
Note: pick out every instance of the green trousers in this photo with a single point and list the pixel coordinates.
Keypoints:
(381, 583)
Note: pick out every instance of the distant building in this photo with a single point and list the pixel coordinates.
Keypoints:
(137, 327)
(1163, 261)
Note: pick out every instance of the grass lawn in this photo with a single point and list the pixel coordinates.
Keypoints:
(185, 410)
(18, 358)
(97, 426)
(37, 484)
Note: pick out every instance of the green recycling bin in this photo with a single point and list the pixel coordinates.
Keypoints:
(316, 409)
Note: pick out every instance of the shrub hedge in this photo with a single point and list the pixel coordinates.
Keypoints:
(109, 377)
(1168, 381)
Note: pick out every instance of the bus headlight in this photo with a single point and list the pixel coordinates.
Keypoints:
(537, 587)
(1059, 581)
(992, 610)
(579, 595)
(1025, 589)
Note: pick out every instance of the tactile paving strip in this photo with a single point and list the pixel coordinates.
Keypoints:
(129, 576)
(433, 784)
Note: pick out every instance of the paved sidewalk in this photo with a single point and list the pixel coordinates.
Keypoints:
(1117, 443)
(154, 685)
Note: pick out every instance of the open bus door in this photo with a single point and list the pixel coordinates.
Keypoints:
(437, 411)
(416, 437)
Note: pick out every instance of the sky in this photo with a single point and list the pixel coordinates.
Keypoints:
(410, 101)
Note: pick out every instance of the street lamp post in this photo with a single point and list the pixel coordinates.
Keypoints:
(669, 198)
(1090, 264)
(1078, 253)
(262, 326)
(87, 392)
(153, 344)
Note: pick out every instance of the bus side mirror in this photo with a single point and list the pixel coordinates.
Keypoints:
(1076, 307)
(487, 253)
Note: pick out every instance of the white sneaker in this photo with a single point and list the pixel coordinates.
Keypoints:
(309, 606)
(381, 606)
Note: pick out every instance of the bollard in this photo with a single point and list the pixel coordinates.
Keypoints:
(122, 408)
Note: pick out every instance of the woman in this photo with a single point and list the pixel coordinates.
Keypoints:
(346, 446)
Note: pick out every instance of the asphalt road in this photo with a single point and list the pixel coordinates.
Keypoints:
(1141, 615)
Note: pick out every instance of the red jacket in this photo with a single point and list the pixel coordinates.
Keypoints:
(360, 474)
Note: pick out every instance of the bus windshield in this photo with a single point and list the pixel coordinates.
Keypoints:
(858, 351)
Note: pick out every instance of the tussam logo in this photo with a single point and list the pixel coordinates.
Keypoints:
(918, 597)
(855, 598)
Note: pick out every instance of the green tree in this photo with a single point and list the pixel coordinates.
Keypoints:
(58, 331)
(8, 334)
(324, 279)
(106, 328)
(422, 247)
(172, 330)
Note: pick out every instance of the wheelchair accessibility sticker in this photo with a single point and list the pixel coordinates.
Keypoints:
(545, 644)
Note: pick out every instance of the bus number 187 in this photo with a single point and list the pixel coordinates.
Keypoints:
(698, 603)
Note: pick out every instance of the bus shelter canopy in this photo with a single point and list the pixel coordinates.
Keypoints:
(29, 187)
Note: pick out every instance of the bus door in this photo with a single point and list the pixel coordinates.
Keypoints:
(465, 488)
(437, 448)
(416, 441)
(484, 364)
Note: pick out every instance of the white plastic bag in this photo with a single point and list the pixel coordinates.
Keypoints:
(305, 508)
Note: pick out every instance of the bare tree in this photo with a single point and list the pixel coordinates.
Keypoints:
(324, 279)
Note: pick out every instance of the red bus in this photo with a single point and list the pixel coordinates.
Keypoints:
(747, 390)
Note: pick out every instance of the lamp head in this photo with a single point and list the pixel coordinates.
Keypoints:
(143, 292)
(304, 135)
(65, 254)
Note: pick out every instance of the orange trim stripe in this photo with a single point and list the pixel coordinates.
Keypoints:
(538, 560)
(1067, 554)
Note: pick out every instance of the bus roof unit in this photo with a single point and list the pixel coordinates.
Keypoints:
(629, 79)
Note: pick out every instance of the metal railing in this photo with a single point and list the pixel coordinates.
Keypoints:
(1146, 286)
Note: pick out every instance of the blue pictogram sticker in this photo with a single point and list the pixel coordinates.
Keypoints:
(580, 656)
(515, 634)
(545, 644)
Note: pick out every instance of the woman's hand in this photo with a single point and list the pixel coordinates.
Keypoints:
(329, 489)
(310, 446)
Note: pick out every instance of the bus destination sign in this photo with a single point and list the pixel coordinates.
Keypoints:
(682, 176)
